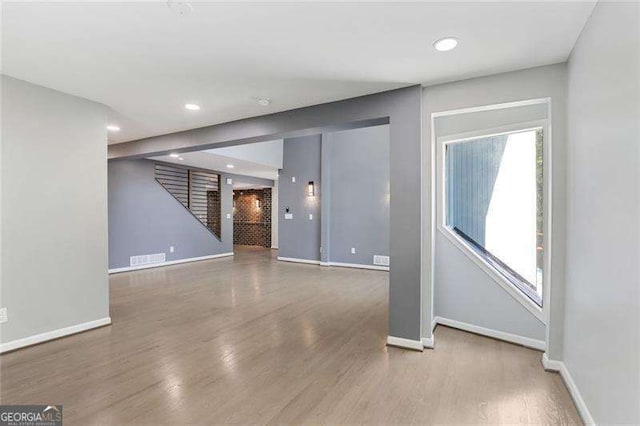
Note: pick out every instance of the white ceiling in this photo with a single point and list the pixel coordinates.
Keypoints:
(262, 160)
(210, 161)
(242, 185)
(146, 62)
(269, 153)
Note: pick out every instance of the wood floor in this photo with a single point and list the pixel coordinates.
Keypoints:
(253, 340)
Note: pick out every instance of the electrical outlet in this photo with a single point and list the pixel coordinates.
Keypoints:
(310, 216)
(293, 179)
(172, 249)
(228, 215)
(353, 250)
(3, 316)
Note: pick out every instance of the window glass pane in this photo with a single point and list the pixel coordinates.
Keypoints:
(494, 202)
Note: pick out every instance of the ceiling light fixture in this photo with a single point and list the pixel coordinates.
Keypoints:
(113, 128)
(192, 107)
(174, 155)
(230, 166)
(181, 158)
(445, 44)
(263, 101)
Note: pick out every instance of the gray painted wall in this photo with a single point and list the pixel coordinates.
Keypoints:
(145, 219)
(358, 176)
(54, 217)
(300, 237)
(403, 109)
(602, 326)
(465, 293)
(350, 169)
(458, 281)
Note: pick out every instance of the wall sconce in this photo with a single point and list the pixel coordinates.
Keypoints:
(257, 204)
(311, 190)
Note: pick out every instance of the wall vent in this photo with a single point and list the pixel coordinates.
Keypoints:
(147, 259)
(380, 260)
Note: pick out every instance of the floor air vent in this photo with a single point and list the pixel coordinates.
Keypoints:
(146, 259)
(380, 260)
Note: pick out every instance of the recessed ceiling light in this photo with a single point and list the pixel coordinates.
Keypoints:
(263, 101)
(445, 44)
(230, 166)
(192, 107)
(174, 155)
(180, 158)
(113, 128)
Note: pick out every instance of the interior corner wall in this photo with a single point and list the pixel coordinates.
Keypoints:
(299, 237)
(144, 218)
(459, 284)
(602, 318)
(54, 211)
(356, 188)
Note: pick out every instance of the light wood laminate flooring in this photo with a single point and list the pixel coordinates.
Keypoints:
(253, 340)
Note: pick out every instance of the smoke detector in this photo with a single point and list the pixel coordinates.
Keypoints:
(180, 8)
(263, 102)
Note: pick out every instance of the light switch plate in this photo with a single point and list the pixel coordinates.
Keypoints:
(229, 181)
(172, 249)
(310, 216)
(228, 215)
(3, 316)
(293, 179)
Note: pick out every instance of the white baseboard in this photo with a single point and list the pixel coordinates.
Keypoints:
(55, 334)
(416, 345)
(274, 247)
(293, 259)
(434, 322)
(496, 334)
(560, 367)
(428, 342)
(355, 265)
(171, 262)
(551, 364)
(339, 264)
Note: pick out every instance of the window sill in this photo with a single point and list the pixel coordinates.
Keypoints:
(530, 305)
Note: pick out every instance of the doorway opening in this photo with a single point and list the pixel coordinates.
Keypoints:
(252, 213)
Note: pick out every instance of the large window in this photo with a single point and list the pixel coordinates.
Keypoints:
(493, 203)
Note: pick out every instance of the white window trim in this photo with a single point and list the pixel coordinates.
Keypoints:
(541, 313)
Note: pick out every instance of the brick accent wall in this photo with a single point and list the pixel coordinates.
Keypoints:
(214, 213)
(252, 225)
